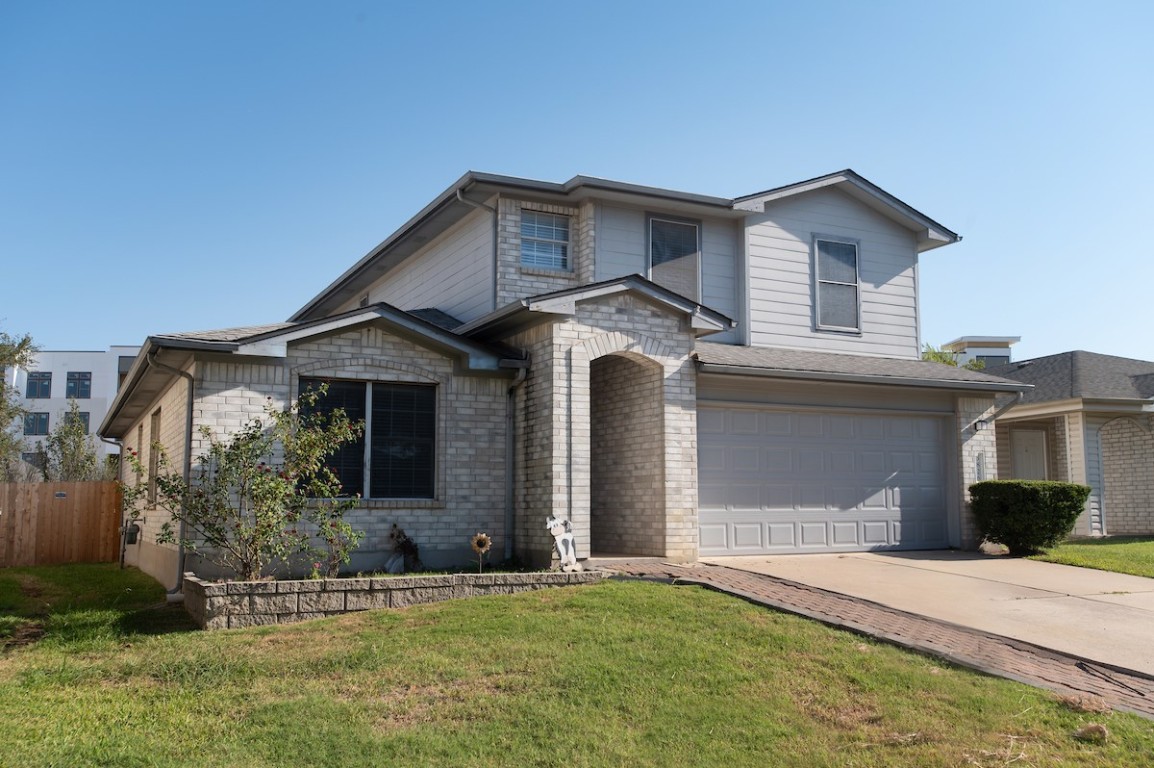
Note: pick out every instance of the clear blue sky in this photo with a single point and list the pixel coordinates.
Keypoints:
(169, 166)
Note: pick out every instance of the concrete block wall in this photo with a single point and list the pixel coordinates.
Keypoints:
(235, 605)
(1128, 476)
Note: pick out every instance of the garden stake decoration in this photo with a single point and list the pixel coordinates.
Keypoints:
(562, 531)
(481, 545)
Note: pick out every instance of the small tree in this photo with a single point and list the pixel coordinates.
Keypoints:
(939, 355)
(254, 496)
(15, 352)
(70, 453)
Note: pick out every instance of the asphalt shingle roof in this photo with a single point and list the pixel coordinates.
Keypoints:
(227, 335)
(771, 358)
(1081, 374)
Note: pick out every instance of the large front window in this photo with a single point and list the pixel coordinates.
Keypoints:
(837, 285)
(395, 458)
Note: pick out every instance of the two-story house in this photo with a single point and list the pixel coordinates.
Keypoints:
(677, 374)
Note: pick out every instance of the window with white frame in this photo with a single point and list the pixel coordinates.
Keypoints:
(395, 458)
(544, 240)
(838, 285)
(78, 385)
(675, 255)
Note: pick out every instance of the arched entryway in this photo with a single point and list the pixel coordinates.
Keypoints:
(627, 456)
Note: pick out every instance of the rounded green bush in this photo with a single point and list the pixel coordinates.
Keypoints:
(1027, 516)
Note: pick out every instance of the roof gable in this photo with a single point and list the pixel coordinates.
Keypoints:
(536, 309)
(930, 233)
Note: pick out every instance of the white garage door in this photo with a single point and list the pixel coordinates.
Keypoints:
(773, 481)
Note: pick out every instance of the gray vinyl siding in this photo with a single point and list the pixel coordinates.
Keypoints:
(453, 273)
(781, 293)
(621, 250)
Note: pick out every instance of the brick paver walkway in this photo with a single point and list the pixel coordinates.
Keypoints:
(991, 654)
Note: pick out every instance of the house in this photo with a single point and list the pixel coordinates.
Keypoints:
(1087, 420)
(989, 350)
(677, 374)
(56, 377)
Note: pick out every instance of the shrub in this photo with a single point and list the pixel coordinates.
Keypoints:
(1027, 516)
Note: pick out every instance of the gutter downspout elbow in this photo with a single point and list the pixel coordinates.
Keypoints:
(175, 593)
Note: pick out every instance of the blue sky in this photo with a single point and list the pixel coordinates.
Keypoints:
(169, 166)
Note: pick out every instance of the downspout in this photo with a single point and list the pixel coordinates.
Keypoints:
(496, 223)
(123, 527)
(174, 594)
(511, 457)
(1017, 399)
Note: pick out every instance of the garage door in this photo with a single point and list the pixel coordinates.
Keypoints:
(773, 481)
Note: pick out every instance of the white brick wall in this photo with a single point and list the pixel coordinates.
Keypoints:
(1128, 475)
(978, 457)
(556, 470)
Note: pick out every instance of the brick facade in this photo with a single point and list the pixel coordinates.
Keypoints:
(1128, 476)
(555, 415)
(516, 281)
(977, 457)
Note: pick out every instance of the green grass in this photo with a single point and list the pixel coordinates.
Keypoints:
(617, 674)
(1121, 554)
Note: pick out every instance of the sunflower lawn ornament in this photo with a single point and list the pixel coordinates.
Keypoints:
(562, 531)
(481, 545)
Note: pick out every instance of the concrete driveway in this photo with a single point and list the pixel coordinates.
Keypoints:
(1106, 617)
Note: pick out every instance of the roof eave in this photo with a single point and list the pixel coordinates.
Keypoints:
(859, 378)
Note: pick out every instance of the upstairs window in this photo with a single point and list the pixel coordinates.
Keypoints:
(39, 384)
(675, 256)
(544, 240)
(78, 385)
(36, 423)
(395, 457)
(838, 292)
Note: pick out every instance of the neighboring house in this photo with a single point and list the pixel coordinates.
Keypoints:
(56, 377)
(989, 350)
(1087, 420)
(677, 374)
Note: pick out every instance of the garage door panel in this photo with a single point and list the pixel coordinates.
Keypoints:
(821, 481)
(845, 534)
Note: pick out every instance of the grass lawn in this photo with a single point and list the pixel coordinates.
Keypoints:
(1122, 554)
(618, 674)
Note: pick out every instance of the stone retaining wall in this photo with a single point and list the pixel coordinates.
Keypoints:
(233, 604)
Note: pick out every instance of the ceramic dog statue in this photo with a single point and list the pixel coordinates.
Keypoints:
(562, 531)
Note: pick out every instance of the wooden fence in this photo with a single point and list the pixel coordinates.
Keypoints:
(54, 523)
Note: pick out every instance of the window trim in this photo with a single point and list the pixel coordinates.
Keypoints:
(42, 378)
(567, 243)
(47, 419)
(818, 282)
(651, 217)
(75, 377)
(367, 467)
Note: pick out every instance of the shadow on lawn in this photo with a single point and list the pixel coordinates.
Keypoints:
(161, 619)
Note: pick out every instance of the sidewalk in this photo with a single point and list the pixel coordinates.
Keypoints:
(985, 652)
